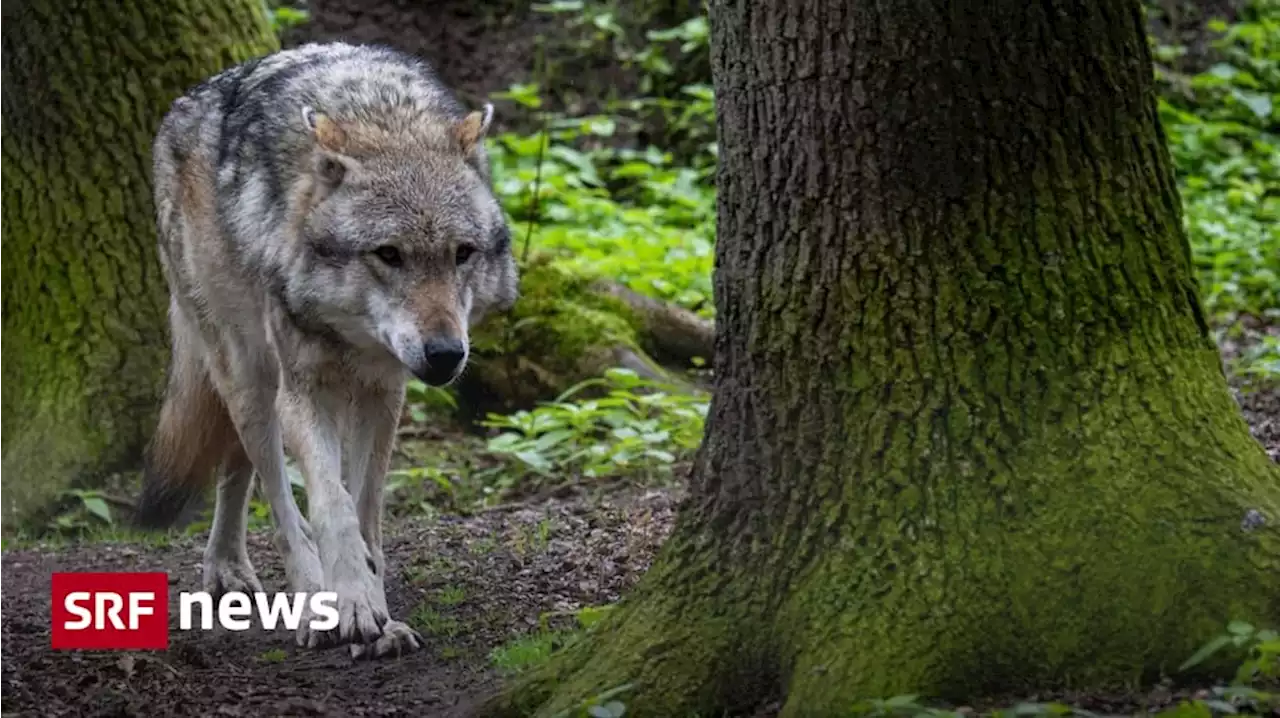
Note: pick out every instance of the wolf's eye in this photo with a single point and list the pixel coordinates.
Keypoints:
(464, 253)
(390, 255)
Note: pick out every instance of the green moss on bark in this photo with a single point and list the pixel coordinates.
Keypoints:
(1098, 553)
(969, 433)
(558, 316)
(560, 332)
(85, 87)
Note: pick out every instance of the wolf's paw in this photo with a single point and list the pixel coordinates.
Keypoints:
(396, 640)
(362, 613)
(227, 575)
(305, 637)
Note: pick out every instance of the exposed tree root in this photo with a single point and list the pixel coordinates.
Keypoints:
(567, 328)
(663, 652)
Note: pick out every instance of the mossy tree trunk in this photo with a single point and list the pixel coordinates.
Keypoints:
(85, 86)
(969, 432)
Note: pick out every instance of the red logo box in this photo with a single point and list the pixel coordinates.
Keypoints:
(110, 611)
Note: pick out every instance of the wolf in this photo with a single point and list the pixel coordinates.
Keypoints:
(327, 227)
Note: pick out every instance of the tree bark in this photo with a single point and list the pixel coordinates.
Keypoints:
(969, 433)
(85, 86)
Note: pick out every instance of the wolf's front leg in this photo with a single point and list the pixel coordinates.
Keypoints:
(366, 458)
(310, 416)
(226, 565)
(249, 389)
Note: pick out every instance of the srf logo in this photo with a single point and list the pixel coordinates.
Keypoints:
(103, 611)
(130, 611)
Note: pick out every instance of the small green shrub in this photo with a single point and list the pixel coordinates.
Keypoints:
(635, 429)
(534, 649)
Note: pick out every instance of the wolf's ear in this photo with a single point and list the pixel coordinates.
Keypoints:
(327, 132)
(331, 163)
(470, 132)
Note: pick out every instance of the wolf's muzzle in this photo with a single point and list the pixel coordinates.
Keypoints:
(442, 358)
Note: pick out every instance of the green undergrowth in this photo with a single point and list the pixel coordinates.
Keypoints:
(646, 65)
(605, 200)
(551, 635)
(1223, 127)
(76, 526)
(632, 216)
(636, 429)
(631, 429)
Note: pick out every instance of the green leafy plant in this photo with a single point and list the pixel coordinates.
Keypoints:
(1256, 684)
(629, 215)
(86, 510)
(635, 429)
(1222, 131)
(423, 401)
(284, 17)
(275, 655)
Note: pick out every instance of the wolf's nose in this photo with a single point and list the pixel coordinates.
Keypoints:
(443, 357)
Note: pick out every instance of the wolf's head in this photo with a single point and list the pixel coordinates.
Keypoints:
(405, 245)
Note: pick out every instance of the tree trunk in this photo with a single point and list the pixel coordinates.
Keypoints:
(85, 86)
(969, 434)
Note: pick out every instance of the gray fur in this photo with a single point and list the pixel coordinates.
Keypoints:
(326, 217)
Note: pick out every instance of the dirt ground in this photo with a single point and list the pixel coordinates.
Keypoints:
(468, 584)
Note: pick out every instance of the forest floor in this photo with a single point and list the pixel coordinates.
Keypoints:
(470, 583)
